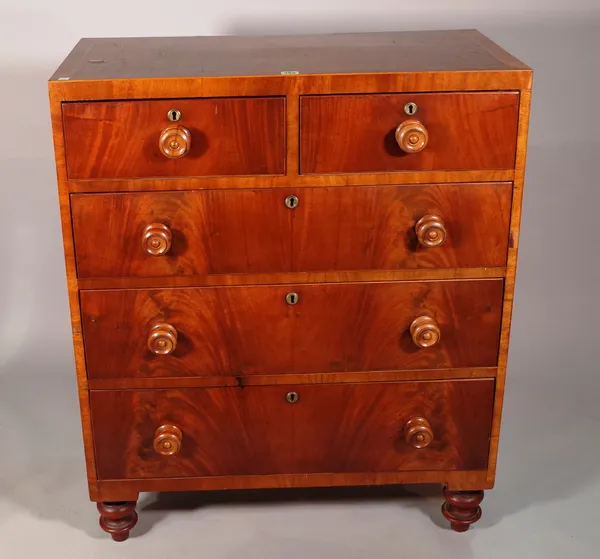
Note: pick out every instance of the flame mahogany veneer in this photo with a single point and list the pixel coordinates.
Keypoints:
(290, 260)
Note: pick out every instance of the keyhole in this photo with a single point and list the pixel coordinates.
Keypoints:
(410, 108)
(292, 397)
(292, 298)
(174, 115)
(291, 202)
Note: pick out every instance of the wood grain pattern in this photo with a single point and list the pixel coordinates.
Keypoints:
(73, 294)
(248, 231)
(298, 182)
(214, 232)
(290, 277)
(129, 489)
(120, 139)
(355, 133)
(511, 271)
(464, 67)
(291, 378)
(252, 330)
(230, 431)
(177, 57)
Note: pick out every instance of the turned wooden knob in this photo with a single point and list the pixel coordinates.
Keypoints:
(167, 440)
(175, 142)
(425, 331)
(412, 136)
(417, 432)
(156, 239)
(162, 339)
(431, 231)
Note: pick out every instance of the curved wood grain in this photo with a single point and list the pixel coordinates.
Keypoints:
(375, 230)
(331, 428)
(355, 133)
(252, 330)
(120, 139)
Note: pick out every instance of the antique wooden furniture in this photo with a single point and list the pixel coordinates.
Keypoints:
(290, 260)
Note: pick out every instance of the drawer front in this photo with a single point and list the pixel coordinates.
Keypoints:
(135, 139)
(368, 133)
(377, 228)
(379, 427)
(181, 233)
(254, 330)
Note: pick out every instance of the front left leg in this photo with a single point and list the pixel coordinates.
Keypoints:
(118, 518)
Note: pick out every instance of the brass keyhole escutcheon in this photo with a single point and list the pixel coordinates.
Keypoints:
(292, 298)
(174, 115)
(410, 109)
(292, 397)
(292, 202)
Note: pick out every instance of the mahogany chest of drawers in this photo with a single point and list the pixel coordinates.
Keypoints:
(290, 260)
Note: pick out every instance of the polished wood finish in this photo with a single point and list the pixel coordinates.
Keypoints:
(481, 235)
(425, 331)
(356, 133)
(117, 518)
(411, 136)
(126, 139)
(431, 231)
(389, 225)
(168, 440)
(461, 508)
(224, 429)
(344, 53)
(225, 331)
(162, 339)
(418, 432)
(295, 378)
(157, 239)
(175, 142)
(289, 278)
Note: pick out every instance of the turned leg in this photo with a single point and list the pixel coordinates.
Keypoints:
(118, 518)
(462, 508)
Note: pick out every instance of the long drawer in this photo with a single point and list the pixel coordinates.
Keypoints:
(246, 330)
(327, 229)
(374, 427)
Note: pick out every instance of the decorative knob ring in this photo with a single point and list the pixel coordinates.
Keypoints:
(175, 142)
(418, 432)
(412, 136)
(425, 331)
(431, 231)
(156, 239)
(167, 440)
(162, 339)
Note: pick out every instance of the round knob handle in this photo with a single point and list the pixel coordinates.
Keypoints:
(425, 331)
(175, 142)
(156, 239)
(431, 231)
(418, 432)
(167, 440)
(162, 339)
(412, 136)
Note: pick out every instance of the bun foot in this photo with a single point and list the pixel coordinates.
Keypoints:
(118, 519)
(462, 508)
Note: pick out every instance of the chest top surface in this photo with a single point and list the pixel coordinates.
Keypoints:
(348, 53)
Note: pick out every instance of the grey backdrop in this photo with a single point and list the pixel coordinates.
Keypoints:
(548, 484)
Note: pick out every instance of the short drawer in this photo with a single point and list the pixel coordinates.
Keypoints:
(379, 427)
(198, 233)
(247, 330)
(136, 139)
(374, 133)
